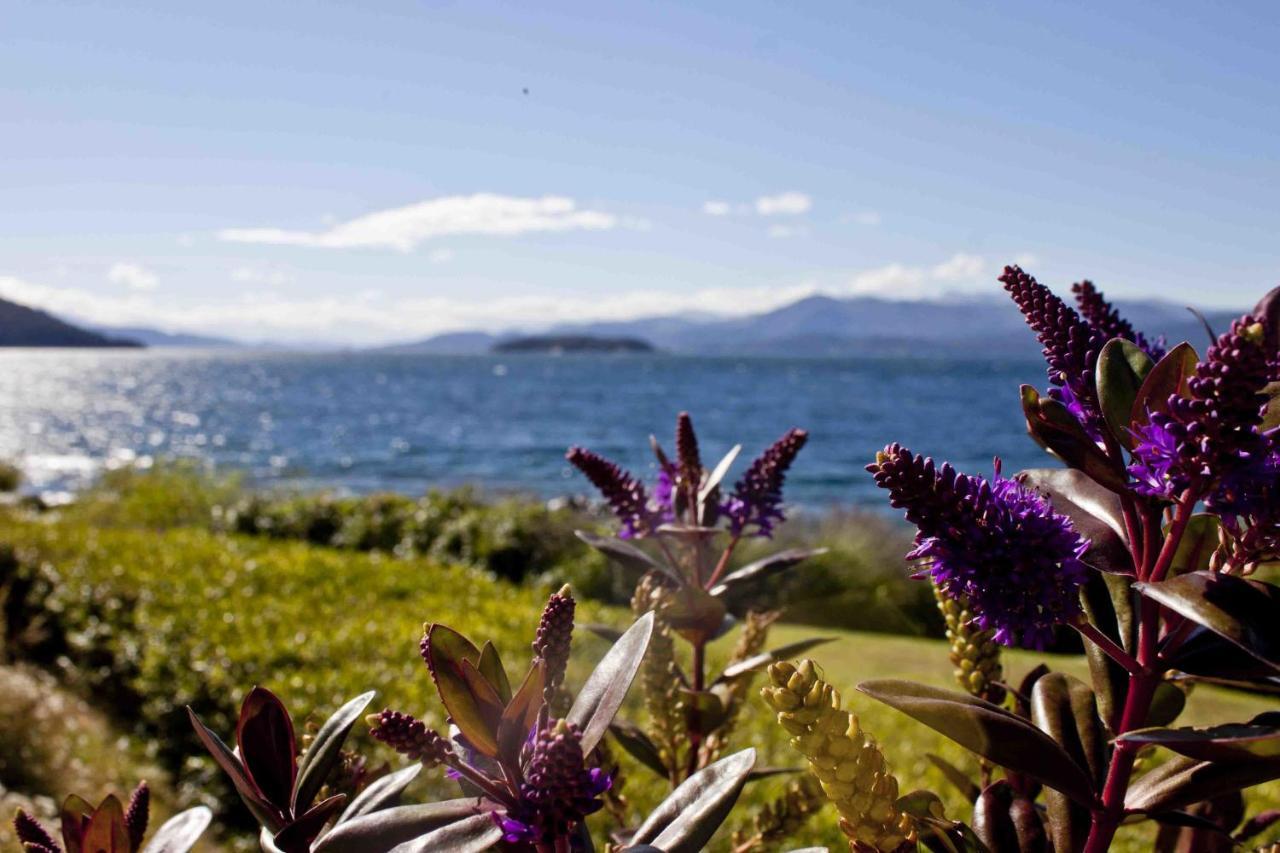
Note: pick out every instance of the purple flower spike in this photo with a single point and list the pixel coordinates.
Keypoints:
(1071, 346)
(409, 737)
(137, 814)
(623, 492)
(1157, 459)
(1101, 315)
(997, 544)
(555, 632)
(558, 790)
(32, 835)
(757, 497)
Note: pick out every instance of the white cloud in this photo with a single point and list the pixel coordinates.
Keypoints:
(132, 276)
(899, 281)
(440, 256)
(716, 208)
(783, 204)
(959, 267)
(403, 228)
(260, 275)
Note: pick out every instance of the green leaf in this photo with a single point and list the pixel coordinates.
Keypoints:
(1182, 781)
(639, 746)
(325, 751)
(1229, 742)
(989, 731)
(1167, 378)
(491, 668)
(447, 652)
(1095, 513)
(690, 815)
(1166, 704)
(1199, 541)
(764, 568)
(763, 659)
(1055, 429)
(386, 828)
(1239, 610)
(1121, 369)
(607, 686)
(380, 793)
(180, 833)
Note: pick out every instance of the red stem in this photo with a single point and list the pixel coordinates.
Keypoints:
(724, 561)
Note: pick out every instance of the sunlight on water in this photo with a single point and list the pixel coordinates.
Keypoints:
(368, 421)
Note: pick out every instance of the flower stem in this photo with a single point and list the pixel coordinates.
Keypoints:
(724, 561)
(1108, 645)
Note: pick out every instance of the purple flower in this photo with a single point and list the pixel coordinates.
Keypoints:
(1157, 467)
(757, 497)
(1101, 315)
(997, 544)
(410, 737)
(1071, 346)
(551, 643)
(624, 493)
(558, 790)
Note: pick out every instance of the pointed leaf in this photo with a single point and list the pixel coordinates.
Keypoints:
(1167, 378)
(1065, 709)
(1122, 367)
(765, 567)
(958, 778)
(447, 651)
(718, 473)
(495, 673)
(263, 811)
(1054, 428)
(380, 793)
(987, 730)
(299, 834)
(180, 833)
(74, 816)
(1230, 742)
(1182, 781)
(264, 738)
(1006, 821)
(627, 556)
(1239, 610)
(604, 632)
(690, 815)
(469, 835)
(763, 659)
(107, 832)
(637, 744)
(325, 751)
(386, 828)
(521, 713)
(1094, 511)
(602, 695)
(1203, 652)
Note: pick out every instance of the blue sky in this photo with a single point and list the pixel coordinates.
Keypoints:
(371, 172)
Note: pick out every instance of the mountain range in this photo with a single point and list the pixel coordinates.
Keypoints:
(21, 326)
(854, 326)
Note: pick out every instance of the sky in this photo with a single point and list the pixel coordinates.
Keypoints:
(376, 172)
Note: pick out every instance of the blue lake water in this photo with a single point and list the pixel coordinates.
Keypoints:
(364, 421)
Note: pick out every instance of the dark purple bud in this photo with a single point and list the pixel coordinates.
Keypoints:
(137, 814)
(689, 458)
(32, 835)
(757, 497)
(623, 492)
(409, 737)
(555, 633)
(1071, 346)
(558, 789)
(997, 544)
(1101, 315)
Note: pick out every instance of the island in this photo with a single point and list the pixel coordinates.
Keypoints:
(556, 344)
(21, 326)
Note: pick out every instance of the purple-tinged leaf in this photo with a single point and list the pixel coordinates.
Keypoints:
(690, 815)
(298, 835)
(447, 651)
(599, 699)
(1239, 610)
(765, 567)
(521, 713)
(495, 673)
(264, 737)
(1122, 367)
(325, 751)
(469, 835)
(106, 831)
(381, 793)
(1167, 378)
(958, 778)
(264, 812)
(1094, 511)
(385, 829)
(639, 746)
(1054, 428)
(1065, 709)
(627, 556)
(1230, 742)
(989, 731)
(1205, 653)
(1182, 781)
(763, 659)
(180, 833)
(1005, 821)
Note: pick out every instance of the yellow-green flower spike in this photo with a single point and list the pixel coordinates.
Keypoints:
(974, 652)
(846, 759)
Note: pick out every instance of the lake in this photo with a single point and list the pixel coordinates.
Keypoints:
(362, 421)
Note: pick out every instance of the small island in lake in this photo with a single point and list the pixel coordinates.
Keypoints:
(572, 343)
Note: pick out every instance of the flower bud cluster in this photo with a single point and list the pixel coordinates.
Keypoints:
(555, 633)
(659, 675)
(974, 652)
(846, 759)
(410, 737)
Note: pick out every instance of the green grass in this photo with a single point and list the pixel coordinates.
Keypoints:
(148, 619)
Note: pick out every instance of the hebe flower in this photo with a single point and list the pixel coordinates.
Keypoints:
(997, 544)
(1213, 434)
(558, 790)
(1071, 346)
(409, 736)
(555, 633)
(624, 493)
(1101, 315)
(757, 497)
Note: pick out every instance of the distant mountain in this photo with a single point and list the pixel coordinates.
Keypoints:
(450, 343)
(21, 326)
(157, 338)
